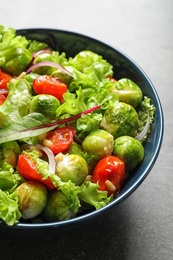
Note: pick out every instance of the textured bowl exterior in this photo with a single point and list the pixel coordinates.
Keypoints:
(71, 43)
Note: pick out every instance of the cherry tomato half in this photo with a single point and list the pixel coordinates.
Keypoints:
(28, 170)
(109, 173)
(60, 139)
(46, 84)
(4, 79)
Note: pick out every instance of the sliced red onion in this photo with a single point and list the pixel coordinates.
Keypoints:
(142, 134)
(3, 91)
(41, 52)
(49, 64)
(50, 155)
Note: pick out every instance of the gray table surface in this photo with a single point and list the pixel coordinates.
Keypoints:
(140, 228)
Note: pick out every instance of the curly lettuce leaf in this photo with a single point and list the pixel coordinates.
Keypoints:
(9, 208)
(88, 62)
(93, 74)
(35, 46)
(9, 179)
(17, 102)
(142, 111)
(83, 99)
(14, 55)
(73, 103)
(91, 195)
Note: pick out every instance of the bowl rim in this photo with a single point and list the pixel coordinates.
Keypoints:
(145, 173)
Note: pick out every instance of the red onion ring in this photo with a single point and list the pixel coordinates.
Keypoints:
(50, 155)
(50, 64)
(40, 52)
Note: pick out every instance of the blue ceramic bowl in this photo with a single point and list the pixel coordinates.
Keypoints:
(72, 43)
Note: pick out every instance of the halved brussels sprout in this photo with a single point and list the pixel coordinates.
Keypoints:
(9, 152)
(90, 158)
(129, 150)
(120, 119)
(98, 142)
(30, 77)
(128, 92)
(57, 207)
(71, 167)
(32, 198)
(45, 104)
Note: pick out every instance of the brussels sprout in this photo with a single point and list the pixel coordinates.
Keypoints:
(91, 159)
(128, 92)
(120, 119)
(30, 77)
(99, 142)
(71, 167)
(45, 104)
(63, 76)
(57, 207)
(9, 153)
(32, 198)
(129, 150)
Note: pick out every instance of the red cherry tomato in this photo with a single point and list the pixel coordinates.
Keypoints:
(60, 139)
(109, 173)
(46, 84)
(4, 79)
(28, 170)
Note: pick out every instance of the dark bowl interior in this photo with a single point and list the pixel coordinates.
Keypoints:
(71, 43)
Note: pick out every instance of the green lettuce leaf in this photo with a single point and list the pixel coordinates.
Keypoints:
(87, 61)
(91, 195)
(89, 70)
(35, 46)
(142, 111)
(70, 190)
(9, 209)
(14, 55)
(9, 179)
(17, 102)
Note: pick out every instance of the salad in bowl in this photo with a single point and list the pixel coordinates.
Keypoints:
(72, 131)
